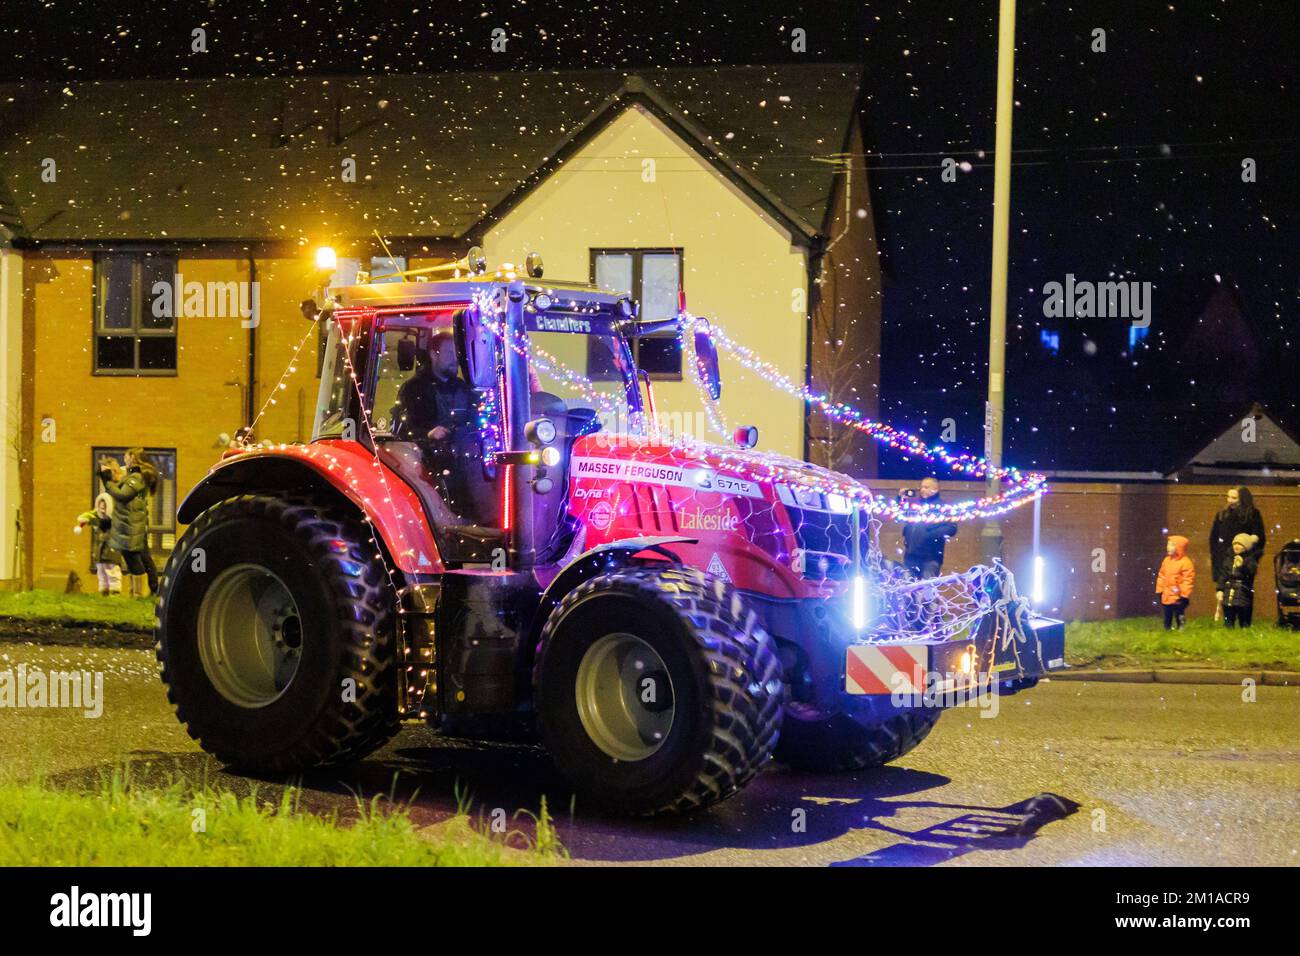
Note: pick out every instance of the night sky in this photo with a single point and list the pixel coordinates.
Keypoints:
(1127, 165)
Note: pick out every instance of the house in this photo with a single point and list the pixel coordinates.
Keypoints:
(741, 189)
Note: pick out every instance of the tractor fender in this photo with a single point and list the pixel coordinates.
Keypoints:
(345, 469)
(602, 558)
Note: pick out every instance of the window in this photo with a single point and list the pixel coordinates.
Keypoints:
(162, 501)
(386, 268)
(130, 339)
(334, 396)
(654, 277)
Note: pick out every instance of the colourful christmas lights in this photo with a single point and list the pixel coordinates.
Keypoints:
(1021, 488)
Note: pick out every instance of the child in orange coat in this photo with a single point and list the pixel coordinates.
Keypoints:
(1175, 580)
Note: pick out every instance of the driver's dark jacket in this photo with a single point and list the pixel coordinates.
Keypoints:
(424, 402)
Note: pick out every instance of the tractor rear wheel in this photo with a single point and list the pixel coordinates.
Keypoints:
(657, 690)
(821, 742)
(276, 635)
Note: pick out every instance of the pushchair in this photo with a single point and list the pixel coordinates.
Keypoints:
(1286, 574)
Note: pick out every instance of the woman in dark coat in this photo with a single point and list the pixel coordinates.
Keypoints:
(1239, 517)
(130, 487)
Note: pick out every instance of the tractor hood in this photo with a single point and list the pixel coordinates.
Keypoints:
(757, 520)
(703, 467)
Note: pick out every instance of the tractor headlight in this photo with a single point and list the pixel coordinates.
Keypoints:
(800, 496)
(542, 302)
(540, 431)
(1039, 593)
(859, 598)
(838, 504)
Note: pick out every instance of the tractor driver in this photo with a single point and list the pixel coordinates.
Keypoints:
(434, 409)
(434, 403)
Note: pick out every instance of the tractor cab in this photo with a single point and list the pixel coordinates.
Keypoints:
(466, 389)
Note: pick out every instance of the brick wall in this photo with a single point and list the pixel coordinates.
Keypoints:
(186, 411)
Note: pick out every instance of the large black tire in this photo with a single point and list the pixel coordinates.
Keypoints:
(822, 742)
(723, 674)
(340, 701)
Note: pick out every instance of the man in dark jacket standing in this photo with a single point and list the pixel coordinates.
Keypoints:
(923, 543)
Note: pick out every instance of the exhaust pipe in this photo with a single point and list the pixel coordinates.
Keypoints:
(523, 545)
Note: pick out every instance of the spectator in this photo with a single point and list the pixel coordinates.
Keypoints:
(1174, 582)
(130, 484)
(1240, 516)
(923, 543)
(1236, 581)
(104, 561)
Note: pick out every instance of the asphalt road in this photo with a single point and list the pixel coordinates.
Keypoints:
(1070, 773)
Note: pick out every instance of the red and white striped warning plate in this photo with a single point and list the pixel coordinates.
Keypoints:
(872, 668)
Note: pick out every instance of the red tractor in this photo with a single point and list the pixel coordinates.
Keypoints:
(461, 544)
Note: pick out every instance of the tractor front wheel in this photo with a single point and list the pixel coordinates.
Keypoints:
(275, 635)
(657, 690)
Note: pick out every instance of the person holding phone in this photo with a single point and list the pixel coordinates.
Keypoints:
(924, 543)
(130, 484)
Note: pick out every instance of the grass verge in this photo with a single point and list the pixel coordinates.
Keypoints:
(1143, 642)
(123, 824)
(126, 613)
(1128, 642)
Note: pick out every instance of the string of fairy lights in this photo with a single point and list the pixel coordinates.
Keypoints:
(272, 397)
(1020, 488)
(949, 605)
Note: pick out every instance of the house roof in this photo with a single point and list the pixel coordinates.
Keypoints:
(436, 154)
(1151, 437)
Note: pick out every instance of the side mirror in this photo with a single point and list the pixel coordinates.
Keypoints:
(476, 348)
(706, 356)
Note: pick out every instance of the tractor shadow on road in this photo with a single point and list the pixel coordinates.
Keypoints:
(782, 809)
(435, 777)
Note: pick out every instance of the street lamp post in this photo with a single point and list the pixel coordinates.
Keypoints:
(991, 535)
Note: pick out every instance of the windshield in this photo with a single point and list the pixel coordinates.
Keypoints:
(575, 366)
(416, 383)
(333, 397)
(584, 371)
